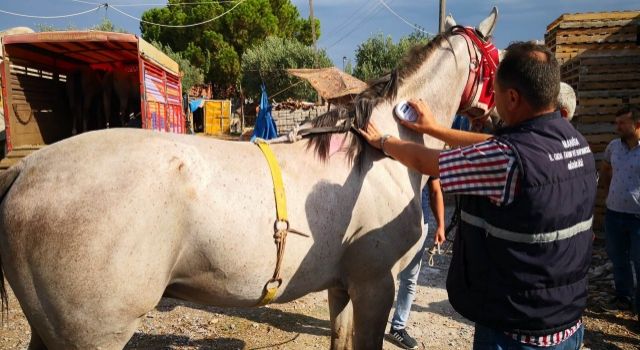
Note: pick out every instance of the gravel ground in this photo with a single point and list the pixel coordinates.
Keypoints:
(304, 324)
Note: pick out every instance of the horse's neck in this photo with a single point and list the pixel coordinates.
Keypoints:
(439, 82)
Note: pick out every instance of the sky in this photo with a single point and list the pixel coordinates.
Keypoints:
(344, 23)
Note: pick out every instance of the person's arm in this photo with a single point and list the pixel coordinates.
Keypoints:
(427, 124)
(605, 175)
(412, 155)
(606, 170)
(436, 201)
(486, 169)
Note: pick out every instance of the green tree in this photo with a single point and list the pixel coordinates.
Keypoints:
(217, 46)
(268, 61)
(190, 75)
(105, 26)
(348, 68)
(378, 54)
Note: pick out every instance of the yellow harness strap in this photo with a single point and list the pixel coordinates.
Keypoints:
(281, 225)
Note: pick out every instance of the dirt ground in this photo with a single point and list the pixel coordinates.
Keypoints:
(304, 324)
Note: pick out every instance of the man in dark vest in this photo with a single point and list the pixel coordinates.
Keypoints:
(521, 255)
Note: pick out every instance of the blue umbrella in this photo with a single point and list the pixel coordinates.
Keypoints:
(265, 125)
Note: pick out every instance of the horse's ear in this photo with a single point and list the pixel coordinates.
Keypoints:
(487, 26)
(449, 23)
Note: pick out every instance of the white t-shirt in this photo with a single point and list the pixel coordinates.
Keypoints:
(624, 191)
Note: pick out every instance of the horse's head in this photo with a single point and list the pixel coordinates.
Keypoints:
(449, 73)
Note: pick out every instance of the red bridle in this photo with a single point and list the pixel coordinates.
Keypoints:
(478, 94)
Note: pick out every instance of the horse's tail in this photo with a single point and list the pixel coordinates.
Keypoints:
(7, 179)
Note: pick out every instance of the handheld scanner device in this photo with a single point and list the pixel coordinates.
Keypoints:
(404, 111)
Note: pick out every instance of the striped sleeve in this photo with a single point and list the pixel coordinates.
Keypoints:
(487, 169)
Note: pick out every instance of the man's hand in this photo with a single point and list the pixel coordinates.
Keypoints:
(425, 123)
(372, 135)
(439, 237)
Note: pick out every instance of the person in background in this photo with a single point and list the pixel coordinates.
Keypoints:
(460, 122)
(567, 101)
(620, 174)
(523, 248)
(408, 278)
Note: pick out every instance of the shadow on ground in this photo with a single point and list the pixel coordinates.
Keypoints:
(283, 320)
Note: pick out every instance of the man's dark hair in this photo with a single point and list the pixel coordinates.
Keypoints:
(533, 71)
(635, 112)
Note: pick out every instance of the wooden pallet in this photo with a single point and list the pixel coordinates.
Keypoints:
(599, 55)
(571, 35)
(593, 16)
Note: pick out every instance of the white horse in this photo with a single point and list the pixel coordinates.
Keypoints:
(95, 229)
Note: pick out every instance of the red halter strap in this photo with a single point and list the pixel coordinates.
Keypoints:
(478, 92)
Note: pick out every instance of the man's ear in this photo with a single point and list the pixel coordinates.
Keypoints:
(564, 113)
(514, 100)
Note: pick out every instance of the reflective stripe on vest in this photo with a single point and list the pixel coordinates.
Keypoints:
(531, 238)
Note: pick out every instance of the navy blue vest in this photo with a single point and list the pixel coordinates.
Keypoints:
(523, 267)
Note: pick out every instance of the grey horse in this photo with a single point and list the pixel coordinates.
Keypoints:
(95, 229)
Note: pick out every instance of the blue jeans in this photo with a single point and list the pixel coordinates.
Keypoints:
(490, 339)
(623, 248)
(407, 289)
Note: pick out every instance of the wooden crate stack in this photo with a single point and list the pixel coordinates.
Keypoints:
(600, 58)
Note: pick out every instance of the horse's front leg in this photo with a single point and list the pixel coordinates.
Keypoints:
(341, 314)
(372, 301)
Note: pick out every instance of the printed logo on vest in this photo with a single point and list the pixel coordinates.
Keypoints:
(570, 154)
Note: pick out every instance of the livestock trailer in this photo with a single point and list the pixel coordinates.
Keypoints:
(42, 84)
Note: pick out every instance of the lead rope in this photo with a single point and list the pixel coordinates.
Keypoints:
(435, 249)
(455, 220)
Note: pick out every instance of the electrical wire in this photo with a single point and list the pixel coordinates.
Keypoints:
(350, 20)
(53, 17)
(372, 11)
(404, 20)
(172, 25)
(178, 4)
(87, 2)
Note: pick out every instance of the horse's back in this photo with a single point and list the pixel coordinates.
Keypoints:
(141, 210)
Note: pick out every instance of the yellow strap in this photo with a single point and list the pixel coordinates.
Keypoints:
(276, 175)
(271, 287)
(269, 295)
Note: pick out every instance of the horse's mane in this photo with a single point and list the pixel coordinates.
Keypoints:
(360, 109)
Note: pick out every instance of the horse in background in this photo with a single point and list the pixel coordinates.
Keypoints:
(15, 30)
(84, 92)
(121, 89)
(102, 96)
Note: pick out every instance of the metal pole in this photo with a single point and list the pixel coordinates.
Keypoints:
(313, 37)
(443, 10)
(313, 25)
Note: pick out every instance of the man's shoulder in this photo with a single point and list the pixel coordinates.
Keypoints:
(614, 144)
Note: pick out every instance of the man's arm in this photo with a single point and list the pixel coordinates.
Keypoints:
(605, 168)
(456, 138)
(426, 123)
(605, 175)
(436, 202)
(410, 154)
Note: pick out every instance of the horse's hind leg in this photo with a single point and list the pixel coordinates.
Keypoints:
(341, 314)
(372, 302)
(36, 342)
